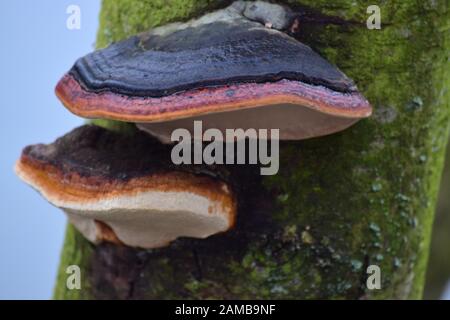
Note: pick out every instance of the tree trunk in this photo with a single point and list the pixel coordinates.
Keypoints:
(340, 203)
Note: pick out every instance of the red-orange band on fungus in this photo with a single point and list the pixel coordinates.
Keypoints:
(110, 105)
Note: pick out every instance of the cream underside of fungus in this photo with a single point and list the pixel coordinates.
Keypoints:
(294, 122)
(148, 219)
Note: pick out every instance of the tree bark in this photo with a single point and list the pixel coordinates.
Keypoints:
(339, 203)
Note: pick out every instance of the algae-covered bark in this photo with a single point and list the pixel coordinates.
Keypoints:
(339, 203)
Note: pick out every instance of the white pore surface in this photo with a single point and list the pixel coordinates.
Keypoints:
(151, 219)
(294, 122)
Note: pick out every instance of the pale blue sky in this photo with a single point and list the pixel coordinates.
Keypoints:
(36, 50)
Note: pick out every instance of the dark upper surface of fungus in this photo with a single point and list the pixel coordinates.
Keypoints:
(91, 151)
(213, 54)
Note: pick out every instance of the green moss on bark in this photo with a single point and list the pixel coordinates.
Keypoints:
(364, 196)
(118, 126)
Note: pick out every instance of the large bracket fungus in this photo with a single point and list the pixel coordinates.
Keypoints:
(232, 68)
(122, 189)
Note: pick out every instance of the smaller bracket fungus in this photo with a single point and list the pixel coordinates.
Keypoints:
(232, 68)
(122, 188)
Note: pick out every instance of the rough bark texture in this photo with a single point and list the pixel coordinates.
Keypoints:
(339, 203)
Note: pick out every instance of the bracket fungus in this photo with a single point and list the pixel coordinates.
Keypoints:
(122, 189)
(237, 67)
(232, 68)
